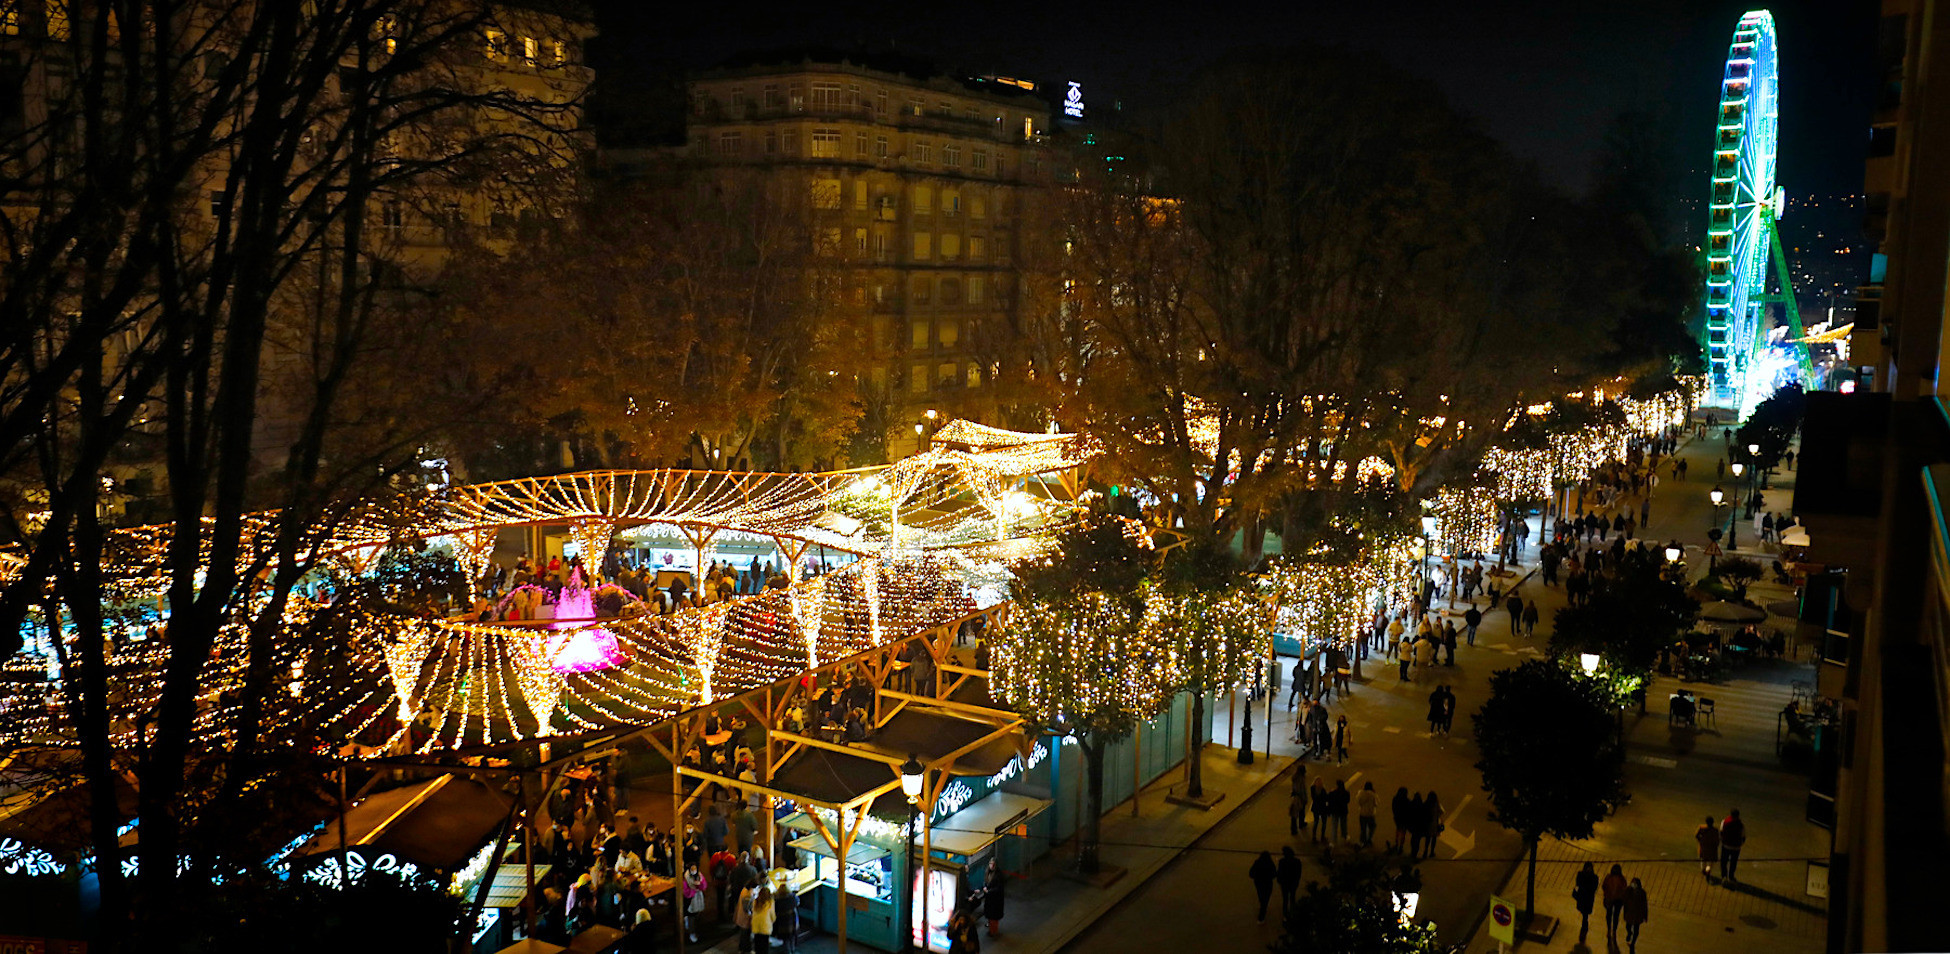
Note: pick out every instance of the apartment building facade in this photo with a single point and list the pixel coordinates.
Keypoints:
(920, 184)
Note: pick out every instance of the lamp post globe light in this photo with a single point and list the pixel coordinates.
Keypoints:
(1673, 553)
(913, 775)
(1589, 661)
(1717, 494)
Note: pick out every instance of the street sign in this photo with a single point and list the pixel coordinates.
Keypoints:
(1503, 921)
(1713, 549)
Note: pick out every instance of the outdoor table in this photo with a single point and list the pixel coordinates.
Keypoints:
(718, 738)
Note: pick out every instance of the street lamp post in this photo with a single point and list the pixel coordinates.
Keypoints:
(1718, 496)
(912, 777)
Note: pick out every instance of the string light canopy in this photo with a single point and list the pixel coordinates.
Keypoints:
(470, 683)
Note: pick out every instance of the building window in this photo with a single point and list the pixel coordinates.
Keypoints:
(826, 144)
(978, 249)
(859, 193)
(950, 295)
(789, 142)
(393, 215)
(974, 375)
(879, 253)
(951, 203)
(974, 281)
(738, 97)
(853, 94)
(950, 248)
(732, 145)
(951, 156)
(923, 290)
(978, 207)
(923, 200)
(860, 145)
(923, 243)
(826, 193)
(880, 101)
(826, 96)
(924, 152)
(979, 160)
(1028, 128)
(917, 379)
(771, 96)
(497, 43)
(945, 375)
(860, 241)
(880, 147)
(829, 243)
(531, 49)
(918, 335)
(798, 96)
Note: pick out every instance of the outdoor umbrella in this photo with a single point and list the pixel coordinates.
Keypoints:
(1721, 611)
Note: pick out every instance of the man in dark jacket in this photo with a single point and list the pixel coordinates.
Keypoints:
(1288, 873)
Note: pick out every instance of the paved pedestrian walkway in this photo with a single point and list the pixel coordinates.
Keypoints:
(1678, 776)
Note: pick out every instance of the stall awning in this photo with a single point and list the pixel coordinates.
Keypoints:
(437, 824)
(860, 852)
(511, 883)
(985, 821)
(529, 945)
(931, 734)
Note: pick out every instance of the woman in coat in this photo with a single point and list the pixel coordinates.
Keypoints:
(1614, 888)
(995, 886)
(1708, 837)
(1637, 910)
(1432, 826)
(1584, 894)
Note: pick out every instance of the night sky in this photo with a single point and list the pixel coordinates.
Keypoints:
(1545, 78)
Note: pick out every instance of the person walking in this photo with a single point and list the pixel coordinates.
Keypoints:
(1436, 710)
(1449, 644)
(1418, 825)
(1340, 740)
(1583, 894)
(1515, 606)
(1337, 803)
(1263, 872)
(1433, 824)
(1448, 709)
(1288, 874)
(1530, 620)
(1405, 650)
(1637, 911)
(1296, 813)
(1733, 837)
(1399, 810)
(1708, 837)
(1614, 887)
(1472, 618)
(1317, 802)
(1364, 806)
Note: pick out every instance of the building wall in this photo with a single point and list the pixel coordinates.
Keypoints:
(1908, 202)
(922, 183)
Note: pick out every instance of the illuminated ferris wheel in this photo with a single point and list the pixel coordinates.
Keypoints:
(1743, 246)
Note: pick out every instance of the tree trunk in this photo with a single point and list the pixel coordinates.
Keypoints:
(1530, 879)
(1093, 804)
(1195, 762)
